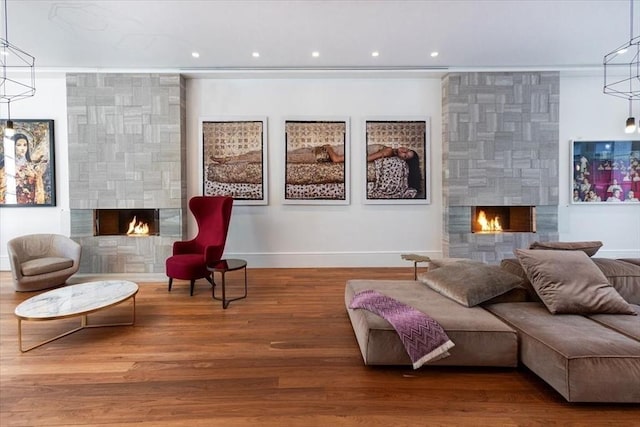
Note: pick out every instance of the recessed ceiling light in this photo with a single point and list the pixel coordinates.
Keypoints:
(376, 53)
(434, 54)
(195, 54)
(256, 54)
(315, 54)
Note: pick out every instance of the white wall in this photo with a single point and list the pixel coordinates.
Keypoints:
(321, 235)
(586, 113)
(49, 102)
(358, 234)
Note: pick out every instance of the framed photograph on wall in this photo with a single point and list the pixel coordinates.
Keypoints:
(27, 166)
(234, 158)
(317, 161)
(605, 172)
(397, 158)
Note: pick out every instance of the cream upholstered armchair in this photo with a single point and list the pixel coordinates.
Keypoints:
(40, 261)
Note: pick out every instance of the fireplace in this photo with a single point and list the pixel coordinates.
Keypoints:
(498, 219)
(126, 222)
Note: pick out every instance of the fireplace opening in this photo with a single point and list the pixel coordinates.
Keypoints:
(126, 222)
(498, 219)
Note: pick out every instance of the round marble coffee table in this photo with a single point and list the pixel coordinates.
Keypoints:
(75, 300)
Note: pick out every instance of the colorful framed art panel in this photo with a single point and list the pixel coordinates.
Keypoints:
(27, 164)
(605, 172)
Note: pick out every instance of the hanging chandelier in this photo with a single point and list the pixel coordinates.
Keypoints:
(18, 74)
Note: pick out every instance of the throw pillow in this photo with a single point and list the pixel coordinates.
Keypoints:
(589, 248)
(512, 265)
(437, 263)
(470, 284)
(570, 282)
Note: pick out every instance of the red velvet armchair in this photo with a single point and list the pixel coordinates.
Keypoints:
(190, 258)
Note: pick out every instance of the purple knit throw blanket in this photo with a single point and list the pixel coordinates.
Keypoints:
(422, 336)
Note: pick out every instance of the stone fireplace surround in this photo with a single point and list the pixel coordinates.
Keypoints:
(127, 148)
(500, 148)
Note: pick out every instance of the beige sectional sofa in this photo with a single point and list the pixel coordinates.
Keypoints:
(585, 357)
(480, 338)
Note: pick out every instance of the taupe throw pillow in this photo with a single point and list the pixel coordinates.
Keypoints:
(569, 282)
(589, 248)
(442, 262)
(470, 284)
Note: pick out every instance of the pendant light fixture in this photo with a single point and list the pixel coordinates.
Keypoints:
(622, 71)
(18, 73)
(631, 121)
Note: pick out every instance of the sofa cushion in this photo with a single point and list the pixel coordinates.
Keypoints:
(443, 262)
(569, 282)
(623, 276)
(480, 338)
(470, 284)
(589, 248)
(45, 265)
(583, 360)
(513, 266)
(627, 325)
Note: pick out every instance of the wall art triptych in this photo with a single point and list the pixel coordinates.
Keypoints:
(394, 160)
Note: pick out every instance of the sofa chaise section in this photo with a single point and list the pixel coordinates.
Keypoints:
(480, 338)
(584, 360)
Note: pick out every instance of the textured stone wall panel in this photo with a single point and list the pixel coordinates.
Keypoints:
(500, 147)
(127, 149)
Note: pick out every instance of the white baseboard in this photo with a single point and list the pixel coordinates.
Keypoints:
(313, 259)
(329, 259)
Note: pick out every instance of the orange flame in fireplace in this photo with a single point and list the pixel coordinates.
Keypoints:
(138, 228)
(489, 224)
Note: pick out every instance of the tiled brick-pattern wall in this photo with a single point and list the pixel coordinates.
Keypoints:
(127, 149)
(500, 147)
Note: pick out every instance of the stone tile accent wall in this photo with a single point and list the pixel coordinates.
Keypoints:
(500, 148)
(127, 149)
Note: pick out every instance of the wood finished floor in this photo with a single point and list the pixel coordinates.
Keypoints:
(286, 356)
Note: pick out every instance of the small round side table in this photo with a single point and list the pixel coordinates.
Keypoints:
(224, 266)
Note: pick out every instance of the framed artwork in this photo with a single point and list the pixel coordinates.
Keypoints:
(317, 161)
(27, 167)
(234, 158)
(605, 172)
(397, 158)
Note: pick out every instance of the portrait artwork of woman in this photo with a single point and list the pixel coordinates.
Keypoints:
(396, 160)
(26, 174)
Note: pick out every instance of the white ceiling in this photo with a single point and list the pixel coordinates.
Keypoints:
(469, 34)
